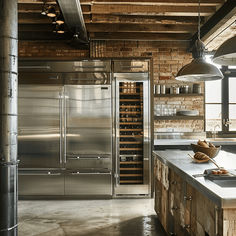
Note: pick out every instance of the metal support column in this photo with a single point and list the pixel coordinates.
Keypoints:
(8, 117)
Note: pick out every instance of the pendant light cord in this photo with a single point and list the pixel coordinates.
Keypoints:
(199, 20)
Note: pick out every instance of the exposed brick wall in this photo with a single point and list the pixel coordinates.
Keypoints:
(168, 58)
(50, 50)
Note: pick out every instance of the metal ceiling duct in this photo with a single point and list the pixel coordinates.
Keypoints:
(8, 117)
(226, 53)
(73, 15)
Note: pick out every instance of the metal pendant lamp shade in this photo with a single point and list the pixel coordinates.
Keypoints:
(199, 70)
(226, 53)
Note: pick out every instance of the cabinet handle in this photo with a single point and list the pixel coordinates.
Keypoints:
(187, 226)
(188, 198)
(172, 234)
(175, 208)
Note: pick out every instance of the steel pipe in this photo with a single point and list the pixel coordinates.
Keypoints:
(8, 116)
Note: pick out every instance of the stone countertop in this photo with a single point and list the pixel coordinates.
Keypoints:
(182, 164)
(217, 141)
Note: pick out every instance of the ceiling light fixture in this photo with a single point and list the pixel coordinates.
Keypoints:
(226, 54)
(60, 19)
(60, 29)
(51, 12)
(44, 9)
(199, 70)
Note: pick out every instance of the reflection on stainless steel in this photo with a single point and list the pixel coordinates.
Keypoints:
(88, 183)
(68, 129)
(40, 182)
(39, 126)
(89, 116)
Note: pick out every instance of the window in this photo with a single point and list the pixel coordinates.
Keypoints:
(220, 102)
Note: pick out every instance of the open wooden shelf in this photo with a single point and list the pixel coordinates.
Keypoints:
(131, 181)
(179, 95)
(131, 162)
(178, 117)
(130, 168)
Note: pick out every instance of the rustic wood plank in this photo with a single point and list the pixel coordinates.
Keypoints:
(37, 1)
(37, 8)
(157, 2)
(140, 36)
(150, 28)
(32, 18)
(35, 18)
(132, 19)
(225, 13)
(151, 10)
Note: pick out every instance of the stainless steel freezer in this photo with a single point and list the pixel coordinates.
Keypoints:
(88, 139)
(65, 131)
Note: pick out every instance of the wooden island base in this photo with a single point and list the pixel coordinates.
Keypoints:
(183, 210)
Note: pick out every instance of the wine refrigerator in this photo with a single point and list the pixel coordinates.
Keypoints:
(132, 131)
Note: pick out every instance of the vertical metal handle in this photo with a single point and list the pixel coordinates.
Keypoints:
(65, 124)
(117, 138)
(60, 120)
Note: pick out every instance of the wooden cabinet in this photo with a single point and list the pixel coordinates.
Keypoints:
(182, 209)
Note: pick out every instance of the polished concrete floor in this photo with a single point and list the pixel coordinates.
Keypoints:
(116, 217)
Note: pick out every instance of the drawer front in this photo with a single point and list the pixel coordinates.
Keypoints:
(82, 183)
(41, 183)
(80, 162)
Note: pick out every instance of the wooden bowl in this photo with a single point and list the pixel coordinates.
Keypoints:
(209, 151)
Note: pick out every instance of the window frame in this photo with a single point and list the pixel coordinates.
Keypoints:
(224, 101)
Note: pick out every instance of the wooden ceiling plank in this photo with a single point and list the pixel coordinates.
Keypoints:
(35, 27)
(225, 13)
(34, 8)
(148, 28)
(156, 2)
(37, 1)
(113, 19)
(32, 18)
(140, 36)
(151, 10)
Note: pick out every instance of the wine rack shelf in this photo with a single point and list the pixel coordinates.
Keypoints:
(131, 133)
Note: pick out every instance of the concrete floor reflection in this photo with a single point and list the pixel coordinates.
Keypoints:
(116, 217)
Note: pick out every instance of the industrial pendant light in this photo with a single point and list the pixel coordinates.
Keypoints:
(226, 53)
(199, 70)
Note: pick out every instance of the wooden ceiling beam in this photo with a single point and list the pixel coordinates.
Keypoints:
(25, 36)
(117, 19)
(156, 2)
(37, 1)
(151, 10)
(37, 8)
(32, 18)
(140, 36)
(36, 27)
(223, 14)
(148, 28)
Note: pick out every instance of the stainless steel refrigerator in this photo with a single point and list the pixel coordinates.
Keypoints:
(65, 130)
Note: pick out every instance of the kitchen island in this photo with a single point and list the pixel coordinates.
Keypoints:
(190, 204)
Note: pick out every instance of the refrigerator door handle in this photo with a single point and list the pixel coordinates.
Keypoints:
(90, 173)
(40, 174)
(61, 127)
(86, 157)
(65, 123)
